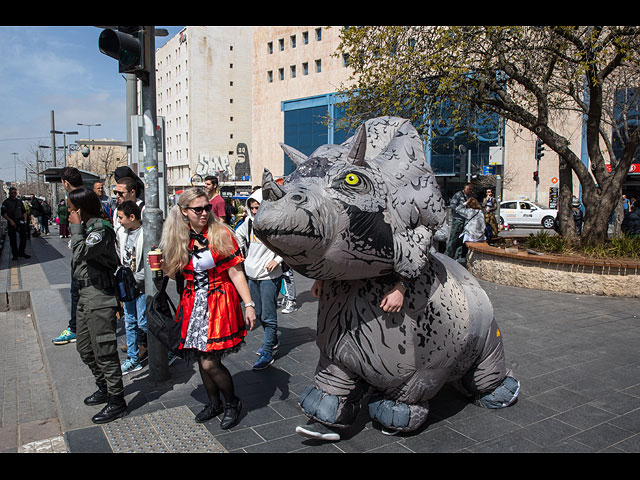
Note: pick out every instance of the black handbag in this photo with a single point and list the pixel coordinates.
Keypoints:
(161, 319)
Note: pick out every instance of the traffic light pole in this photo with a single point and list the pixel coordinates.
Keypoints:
(135, 49)
(152, 214)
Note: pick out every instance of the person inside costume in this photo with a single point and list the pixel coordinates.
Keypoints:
(200, 247)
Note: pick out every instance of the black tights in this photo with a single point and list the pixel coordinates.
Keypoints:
(216, 378)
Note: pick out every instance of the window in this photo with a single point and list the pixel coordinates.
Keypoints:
(293, 41)
(318, 34)
(305, 38)
(318, 66)
(292, 69)
(305, 68)
(281, 43)
(270, 47)
(270, 76)
(281, 73)
(304, 129)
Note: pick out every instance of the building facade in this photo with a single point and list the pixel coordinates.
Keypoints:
(295, 77)
(203, 90)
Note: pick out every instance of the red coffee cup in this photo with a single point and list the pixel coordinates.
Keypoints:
(154, 259)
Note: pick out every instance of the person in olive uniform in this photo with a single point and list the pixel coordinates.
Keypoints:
(93, 264)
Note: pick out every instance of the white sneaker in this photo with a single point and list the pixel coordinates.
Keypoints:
(289, 307)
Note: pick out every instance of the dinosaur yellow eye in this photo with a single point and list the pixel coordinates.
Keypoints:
(352, 179)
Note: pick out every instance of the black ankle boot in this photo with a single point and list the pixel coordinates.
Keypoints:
(208, 412)
(98, 397)
(231, 414)
(116, 408)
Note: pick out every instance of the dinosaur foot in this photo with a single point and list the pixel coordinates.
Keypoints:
(317, 431)
(502, 396)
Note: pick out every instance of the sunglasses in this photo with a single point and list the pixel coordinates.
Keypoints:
(119, 193)
(199, 210)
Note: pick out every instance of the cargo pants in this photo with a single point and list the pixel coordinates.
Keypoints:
(96, 338)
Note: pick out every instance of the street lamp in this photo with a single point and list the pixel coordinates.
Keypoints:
(89, 125)
(64, 134)
(15, 167)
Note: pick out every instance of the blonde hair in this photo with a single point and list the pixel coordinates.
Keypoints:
(174, 242)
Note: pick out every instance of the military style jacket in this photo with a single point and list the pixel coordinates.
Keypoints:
(94, 260)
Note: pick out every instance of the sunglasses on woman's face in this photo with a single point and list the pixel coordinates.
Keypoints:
(199, 210)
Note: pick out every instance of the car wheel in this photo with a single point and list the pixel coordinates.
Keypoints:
(547, 222)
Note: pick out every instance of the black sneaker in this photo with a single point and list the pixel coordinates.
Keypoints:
(231, 414)
(318, 431)
(208, 412)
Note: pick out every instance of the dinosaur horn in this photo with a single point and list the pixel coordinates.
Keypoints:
(296, 157)
(359, 147)
(270, 189)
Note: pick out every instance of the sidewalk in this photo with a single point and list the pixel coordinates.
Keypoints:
(577, 358)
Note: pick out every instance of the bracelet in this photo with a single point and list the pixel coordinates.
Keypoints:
(250, 304)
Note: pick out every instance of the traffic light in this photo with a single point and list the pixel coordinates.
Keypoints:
(539, 149)
(536, 178)
(127, 45)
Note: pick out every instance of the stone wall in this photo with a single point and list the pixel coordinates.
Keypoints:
(555, 272)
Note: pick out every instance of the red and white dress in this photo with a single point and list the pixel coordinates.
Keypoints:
(210, 305)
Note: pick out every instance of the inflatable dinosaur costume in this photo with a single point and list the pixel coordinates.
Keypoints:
(360, 217)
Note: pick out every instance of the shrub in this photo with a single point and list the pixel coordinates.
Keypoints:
(547, 243)
(622, 246)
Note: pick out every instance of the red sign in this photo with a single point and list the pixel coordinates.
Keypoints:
(634, 168)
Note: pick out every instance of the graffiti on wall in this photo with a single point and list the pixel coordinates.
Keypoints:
(220, 165)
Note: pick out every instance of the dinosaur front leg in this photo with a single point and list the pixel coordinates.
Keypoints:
(334, 400)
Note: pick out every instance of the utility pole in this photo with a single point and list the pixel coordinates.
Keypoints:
(53, 156)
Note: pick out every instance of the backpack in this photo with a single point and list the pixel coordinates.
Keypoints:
(126, 288)
(161, 319)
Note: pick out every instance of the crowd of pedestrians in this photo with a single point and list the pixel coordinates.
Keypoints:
(230, 282)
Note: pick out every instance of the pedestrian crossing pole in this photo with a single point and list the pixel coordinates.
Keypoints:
(152, 215)
(134, 48)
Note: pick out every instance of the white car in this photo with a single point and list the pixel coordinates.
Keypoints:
(523, 212)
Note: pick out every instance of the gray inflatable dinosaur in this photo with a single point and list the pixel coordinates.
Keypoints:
(360, 217)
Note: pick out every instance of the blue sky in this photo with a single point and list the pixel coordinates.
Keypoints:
(57, 68)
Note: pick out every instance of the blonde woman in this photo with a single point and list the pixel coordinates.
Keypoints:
(199, 246)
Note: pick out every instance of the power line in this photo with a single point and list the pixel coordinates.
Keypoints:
(24, 138)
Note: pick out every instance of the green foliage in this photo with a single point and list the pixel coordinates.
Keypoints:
(544, 242)
(622, 246)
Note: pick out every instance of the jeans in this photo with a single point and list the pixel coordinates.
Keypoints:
(289, 285)
(264, 294)
(135, 322)
(13, 233)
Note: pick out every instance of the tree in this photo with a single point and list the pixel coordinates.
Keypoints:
(533, 76)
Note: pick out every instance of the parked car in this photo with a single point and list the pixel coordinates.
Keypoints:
(523, 212)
